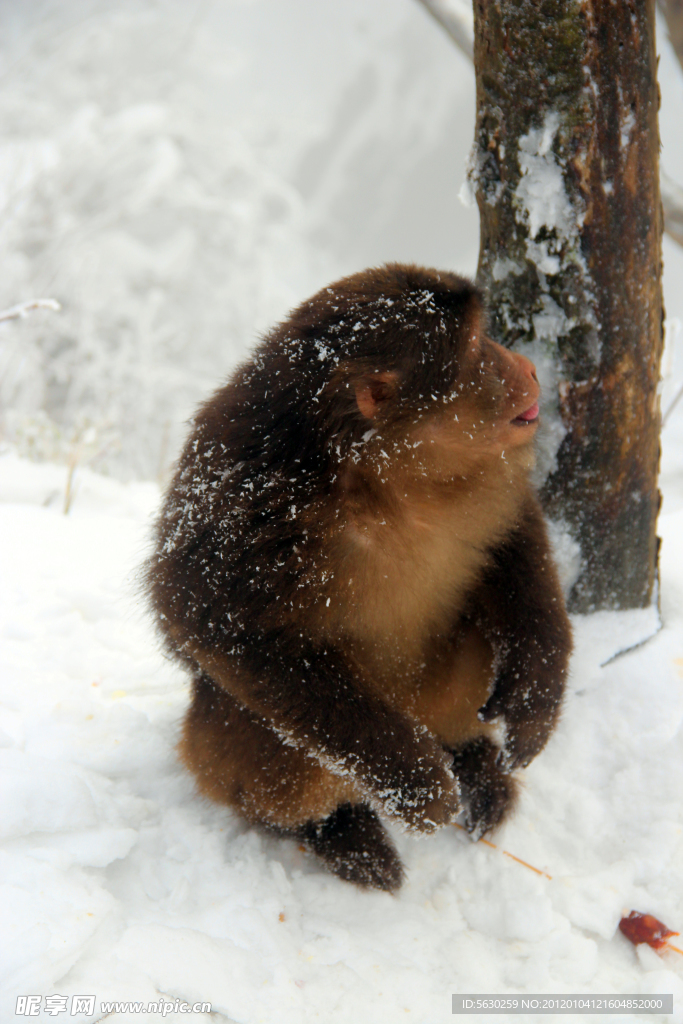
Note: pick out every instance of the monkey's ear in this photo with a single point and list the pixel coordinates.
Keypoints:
(373, 390)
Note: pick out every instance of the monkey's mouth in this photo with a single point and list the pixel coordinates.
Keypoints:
(530, 416)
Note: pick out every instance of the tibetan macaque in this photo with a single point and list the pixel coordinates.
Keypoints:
(353, 566)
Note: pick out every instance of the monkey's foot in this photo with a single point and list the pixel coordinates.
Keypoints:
(487, 793)
(354, 845)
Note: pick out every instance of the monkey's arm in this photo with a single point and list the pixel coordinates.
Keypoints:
(521, 610)
(312, 699)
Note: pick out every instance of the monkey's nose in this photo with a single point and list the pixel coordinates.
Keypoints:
(526, 366)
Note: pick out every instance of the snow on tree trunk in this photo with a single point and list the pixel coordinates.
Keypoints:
(566, 171)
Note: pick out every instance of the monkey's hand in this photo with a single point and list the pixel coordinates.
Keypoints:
(424, 795)
(527, 721)
(520, 610)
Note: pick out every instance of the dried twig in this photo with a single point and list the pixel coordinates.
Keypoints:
(673, 15)
(519, 860)
(455, 16)
(69, 489)
(672, 405)
(672, 204)
(22, 309)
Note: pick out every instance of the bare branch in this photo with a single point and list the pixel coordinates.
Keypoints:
(24, 308)
(455, 16)
(672, 202)
(673, 16)
(672, 193)
(672, 405)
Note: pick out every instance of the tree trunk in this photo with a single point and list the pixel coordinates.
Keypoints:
(566, 171)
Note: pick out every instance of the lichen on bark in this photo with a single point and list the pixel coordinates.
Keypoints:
(565, 167)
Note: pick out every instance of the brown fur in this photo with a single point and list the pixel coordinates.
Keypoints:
(351, 562)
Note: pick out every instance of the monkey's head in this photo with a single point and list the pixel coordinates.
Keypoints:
(391, 359)
(492, 408)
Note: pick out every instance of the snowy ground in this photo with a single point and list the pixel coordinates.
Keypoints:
(118, 881)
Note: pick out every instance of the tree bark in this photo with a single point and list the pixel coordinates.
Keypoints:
(566, 172)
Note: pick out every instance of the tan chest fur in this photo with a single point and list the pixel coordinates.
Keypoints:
(403, 574)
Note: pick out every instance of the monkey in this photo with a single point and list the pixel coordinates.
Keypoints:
(353, 566)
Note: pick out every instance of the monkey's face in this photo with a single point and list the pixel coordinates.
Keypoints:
(499, 391)
(492, 408)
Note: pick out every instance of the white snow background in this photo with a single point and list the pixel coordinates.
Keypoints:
(178, 175)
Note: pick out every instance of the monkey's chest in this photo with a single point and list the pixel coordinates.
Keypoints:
(397, 588)
(401, 592)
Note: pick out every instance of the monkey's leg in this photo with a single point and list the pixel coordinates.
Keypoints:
(312, 697)
(238, 760)
(354, 845)
(488, 793)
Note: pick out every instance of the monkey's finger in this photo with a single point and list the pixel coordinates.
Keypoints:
(508, 761)
(513, 755)
(488, 712)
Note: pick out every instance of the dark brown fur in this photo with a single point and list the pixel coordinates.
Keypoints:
(352, 564)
